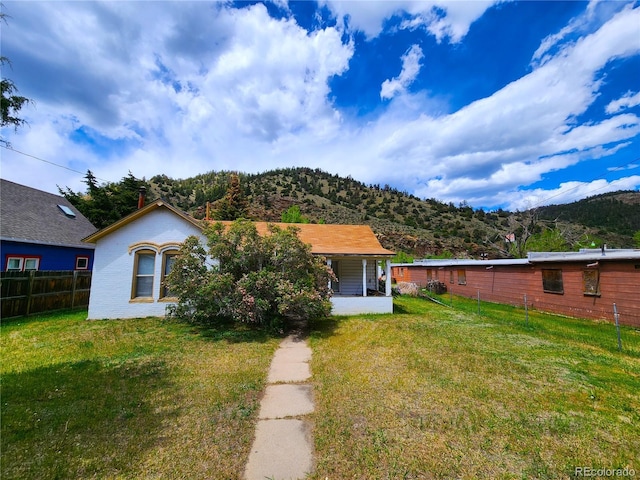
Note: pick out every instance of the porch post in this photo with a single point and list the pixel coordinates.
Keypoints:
(329, 264)
(387, 283)
(364, 277)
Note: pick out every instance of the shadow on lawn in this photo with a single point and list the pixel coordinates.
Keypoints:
(325, 327)
(83, 419)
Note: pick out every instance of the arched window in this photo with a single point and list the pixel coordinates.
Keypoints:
(143, 271)
(168, 259)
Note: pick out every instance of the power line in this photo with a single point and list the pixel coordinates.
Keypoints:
(599, 177)
(9, 147)
(540, 202)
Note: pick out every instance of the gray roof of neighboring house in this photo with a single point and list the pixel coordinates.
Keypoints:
(33, 216)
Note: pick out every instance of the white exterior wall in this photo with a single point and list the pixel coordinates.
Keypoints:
(112, 278)
(350, 276)
(350, 273)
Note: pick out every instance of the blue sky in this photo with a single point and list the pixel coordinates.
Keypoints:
(499, 104)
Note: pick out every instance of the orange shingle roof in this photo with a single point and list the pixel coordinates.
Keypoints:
(332, 239)
(325, 239)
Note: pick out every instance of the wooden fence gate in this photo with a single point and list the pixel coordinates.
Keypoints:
(28, 293)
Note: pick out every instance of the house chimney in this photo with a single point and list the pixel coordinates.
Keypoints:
(141, 196)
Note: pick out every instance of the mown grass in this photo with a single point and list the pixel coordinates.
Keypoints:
(128, 399)
(435, 392)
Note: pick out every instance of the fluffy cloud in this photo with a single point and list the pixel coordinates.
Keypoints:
(521, 132)
(410, 69)
(627, 101)
(185, 88)
(443, 19)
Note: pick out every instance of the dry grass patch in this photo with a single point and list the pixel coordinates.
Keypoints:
(440, 393)
(135, 399)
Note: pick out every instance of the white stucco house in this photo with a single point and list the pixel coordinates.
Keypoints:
(133, 255)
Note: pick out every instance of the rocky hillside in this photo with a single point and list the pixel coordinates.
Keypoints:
(403, 222)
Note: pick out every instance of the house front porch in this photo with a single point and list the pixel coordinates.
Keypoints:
(356, 290)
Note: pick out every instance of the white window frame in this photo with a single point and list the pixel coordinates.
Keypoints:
(85, 258)
(137, 276)
(20, 264)
(23, 263)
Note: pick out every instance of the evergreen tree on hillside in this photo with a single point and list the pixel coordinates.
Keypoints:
(234, 205)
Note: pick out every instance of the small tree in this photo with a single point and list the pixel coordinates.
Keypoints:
(234, 205)
(263, 280)
(293, 215)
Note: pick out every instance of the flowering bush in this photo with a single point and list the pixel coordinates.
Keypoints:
(245, 277)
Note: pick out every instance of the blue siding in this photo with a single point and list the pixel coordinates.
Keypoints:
(51, 257)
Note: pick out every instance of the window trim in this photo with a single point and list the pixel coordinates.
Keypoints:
(164, 294)
(22, 259)
(136, 276)
(82, 257)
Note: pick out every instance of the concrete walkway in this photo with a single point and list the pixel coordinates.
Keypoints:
(283, 446)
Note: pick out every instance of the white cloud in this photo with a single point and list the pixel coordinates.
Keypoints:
(179, 109)
(410, 69)
(627, 101)
(553, 41)
(187, 88)
(522, 131)
(443, 19)
(568, 192)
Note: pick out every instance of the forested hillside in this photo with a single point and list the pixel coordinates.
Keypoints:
(617, 212)
(403, 222)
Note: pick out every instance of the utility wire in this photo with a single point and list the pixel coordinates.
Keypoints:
(599, 177)
(9, 147)
(540, 202)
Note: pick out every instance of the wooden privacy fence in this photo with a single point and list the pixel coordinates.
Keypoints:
(28, 293)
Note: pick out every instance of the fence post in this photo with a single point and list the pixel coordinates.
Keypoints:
(478, 301)
(73, 288)
(526, 311)
(32, 275)
(616, 316)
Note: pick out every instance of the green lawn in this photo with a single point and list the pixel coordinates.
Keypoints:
(127, 399)
(435, 392)
(428, 392)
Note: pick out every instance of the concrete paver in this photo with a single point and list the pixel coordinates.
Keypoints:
(289, 373)
(286, 400)
(283, 447)
(281, 451)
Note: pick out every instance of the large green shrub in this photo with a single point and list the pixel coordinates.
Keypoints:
(245, 277)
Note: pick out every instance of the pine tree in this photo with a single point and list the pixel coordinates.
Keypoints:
(234, 205)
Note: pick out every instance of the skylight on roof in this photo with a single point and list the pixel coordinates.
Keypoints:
(67, 211)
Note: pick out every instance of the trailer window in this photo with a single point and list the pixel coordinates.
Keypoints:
(591, 282)
(552, 280)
